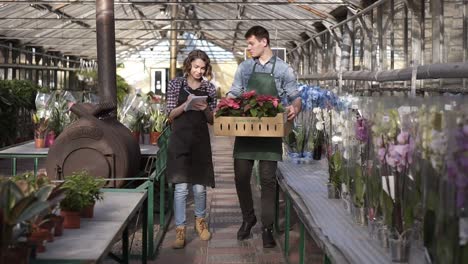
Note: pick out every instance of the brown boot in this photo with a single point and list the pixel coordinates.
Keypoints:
(180, 238)
(202, 228)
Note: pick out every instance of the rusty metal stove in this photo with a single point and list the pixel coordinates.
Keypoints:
(97, 142)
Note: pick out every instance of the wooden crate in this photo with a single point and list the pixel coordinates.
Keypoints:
(252, 126)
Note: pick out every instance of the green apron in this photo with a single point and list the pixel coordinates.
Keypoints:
(260, 148)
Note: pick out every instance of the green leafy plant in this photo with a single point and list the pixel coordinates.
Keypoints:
(28, 183)
(17, 207)
(41, 124)
(250, 104)
(157, 119)
(123, 88)
(81, 190)
(16, 100)
(335, 166)
(359, 188)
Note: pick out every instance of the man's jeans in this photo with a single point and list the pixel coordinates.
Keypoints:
(180, 198)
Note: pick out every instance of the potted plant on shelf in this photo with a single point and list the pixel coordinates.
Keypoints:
(17, 209)
(157, 119)
(92, 188)
(41, 125)
(56, 126)
(81, 191)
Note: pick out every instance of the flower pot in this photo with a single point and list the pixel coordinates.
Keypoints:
(38, 238)
(399, 249)
(347, 205)
(382, 236)
(317, 155)
(58, 222)
(136, 135)
(373, 228)
(333, 192)
(88, 211)
(359, 215)
(146, 138)
(71, 220)
(294, 157)
(154, 136)
(18, 254)
(39, 142)
(50, 227)
(50, 139)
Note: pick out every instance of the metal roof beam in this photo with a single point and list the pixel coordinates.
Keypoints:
(240, 14)
(87, 2)
(145, 29)
(164, 19)
(357, 15)
(128, 38)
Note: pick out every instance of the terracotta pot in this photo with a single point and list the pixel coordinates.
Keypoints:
(39, 142)
(18, 254)
(39, 237)
(50, 227)
(50, 139)
(154, 136)
(58, 222)
(88, 211)
(136, 135)
(71, 220)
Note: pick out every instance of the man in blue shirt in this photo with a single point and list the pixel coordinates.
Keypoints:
(266, 74)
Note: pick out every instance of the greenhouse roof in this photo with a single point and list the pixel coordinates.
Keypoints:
(69, 26)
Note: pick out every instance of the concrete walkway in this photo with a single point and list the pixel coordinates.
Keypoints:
(224, 219)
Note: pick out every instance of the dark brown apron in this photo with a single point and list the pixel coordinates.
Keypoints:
(189, 151)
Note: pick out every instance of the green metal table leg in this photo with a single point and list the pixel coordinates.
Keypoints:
(13, 166)
(144, 231)
(276, 209)
(36, 164)
(162, 189)
(302, 244)
(288, 224)
(125, 254)
(150, 219)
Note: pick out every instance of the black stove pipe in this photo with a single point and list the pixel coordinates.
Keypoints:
(105, 35)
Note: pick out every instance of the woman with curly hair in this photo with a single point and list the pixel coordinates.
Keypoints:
(189, 153)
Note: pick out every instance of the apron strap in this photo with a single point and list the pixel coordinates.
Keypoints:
(272, 69)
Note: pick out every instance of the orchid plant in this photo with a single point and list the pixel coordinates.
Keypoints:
(395, 148)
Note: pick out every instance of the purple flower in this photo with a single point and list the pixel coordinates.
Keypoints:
(403, 137)
(381, 154)
(362, 130)
(400, 156)
(457, 168)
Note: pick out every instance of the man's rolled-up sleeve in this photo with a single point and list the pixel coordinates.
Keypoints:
(237, 89)
(290, 84)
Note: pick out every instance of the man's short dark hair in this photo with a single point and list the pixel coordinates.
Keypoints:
(259, 33)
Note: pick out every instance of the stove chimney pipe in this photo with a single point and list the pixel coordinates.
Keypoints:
(105, 35)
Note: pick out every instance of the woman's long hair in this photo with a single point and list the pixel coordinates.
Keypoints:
(197, 54)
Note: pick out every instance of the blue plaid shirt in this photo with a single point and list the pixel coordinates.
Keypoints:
(176, 84)
(285, 78)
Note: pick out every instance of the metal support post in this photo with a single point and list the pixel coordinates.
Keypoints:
(288, 225)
